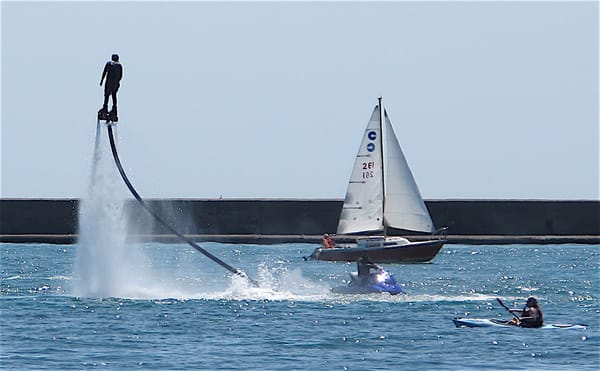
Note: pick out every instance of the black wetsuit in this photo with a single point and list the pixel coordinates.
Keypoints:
(364, 266)
(536, 321)
(113, 71)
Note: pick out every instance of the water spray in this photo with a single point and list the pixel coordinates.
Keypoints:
(144, 205)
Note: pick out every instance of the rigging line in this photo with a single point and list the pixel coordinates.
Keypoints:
(163, 222)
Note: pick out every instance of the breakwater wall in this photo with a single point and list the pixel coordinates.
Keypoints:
(281, 220)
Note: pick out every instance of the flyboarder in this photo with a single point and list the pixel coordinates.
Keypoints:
(113, 71)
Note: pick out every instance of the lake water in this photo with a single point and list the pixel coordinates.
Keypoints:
(166, 306)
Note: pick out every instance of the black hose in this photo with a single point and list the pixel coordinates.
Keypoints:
(163, 222)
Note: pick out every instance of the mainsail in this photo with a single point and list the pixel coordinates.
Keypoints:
(404, 206)
(364, 208)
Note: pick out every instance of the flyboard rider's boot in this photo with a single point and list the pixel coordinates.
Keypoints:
(103, 113)
(112, 115)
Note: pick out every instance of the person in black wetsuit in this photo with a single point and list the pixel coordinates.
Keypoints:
(364, 266)
(113, 72)
(531, 315)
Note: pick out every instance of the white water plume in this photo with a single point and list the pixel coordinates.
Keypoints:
(275, 283)
(105, 266)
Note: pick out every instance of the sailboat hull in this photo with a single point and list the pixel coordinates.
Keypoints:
(388, 252)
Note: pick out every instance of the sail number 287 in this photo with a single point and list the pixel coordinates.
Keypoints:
(367, 168)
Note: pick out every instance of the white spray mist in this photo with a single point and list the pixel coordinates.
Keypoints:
(105, 266)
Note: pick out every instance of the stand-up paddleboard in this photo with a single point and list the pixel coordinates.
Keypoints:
(484, 322)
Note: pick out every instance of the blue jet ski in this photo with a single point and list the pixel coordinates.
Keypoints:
(379, 281)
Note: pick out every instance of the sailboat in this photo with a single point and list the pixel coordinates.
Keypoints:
(382, 196)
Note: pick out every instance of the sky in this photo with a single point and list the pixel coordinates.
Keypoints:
(489, 100)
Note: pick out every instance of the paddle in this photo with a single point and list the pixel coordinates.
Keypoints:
(509, 311)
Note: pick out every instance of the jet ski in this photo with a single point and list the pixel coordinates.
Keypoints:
(380, 281)
(483, 322)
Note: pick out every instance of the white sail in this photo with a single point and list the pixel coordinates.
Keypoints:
(404, 206)
(363, 209)
(363, 205)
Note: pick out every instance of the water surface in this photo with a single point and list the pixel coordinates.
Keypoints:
(170, 307)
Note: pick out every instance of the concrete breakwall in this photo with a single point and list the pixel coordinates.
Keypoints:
(276, 221)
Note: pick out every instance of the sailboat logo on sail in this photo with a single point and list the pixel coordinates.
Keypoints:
(372, 135)
(370, 147)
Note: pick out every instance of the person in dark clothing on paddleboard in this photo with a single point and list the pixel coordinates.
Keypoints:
(531, 315)
(113, 72)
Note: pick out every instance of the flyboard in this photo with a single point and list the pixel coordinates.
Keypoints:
(110, 117)
(110, 121)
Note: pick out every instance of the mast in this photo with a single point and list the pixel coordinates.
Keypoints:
(382, 164)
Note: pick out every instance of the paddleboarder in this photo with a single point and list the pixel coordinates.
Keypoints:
(113, 72)
(531, 315)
